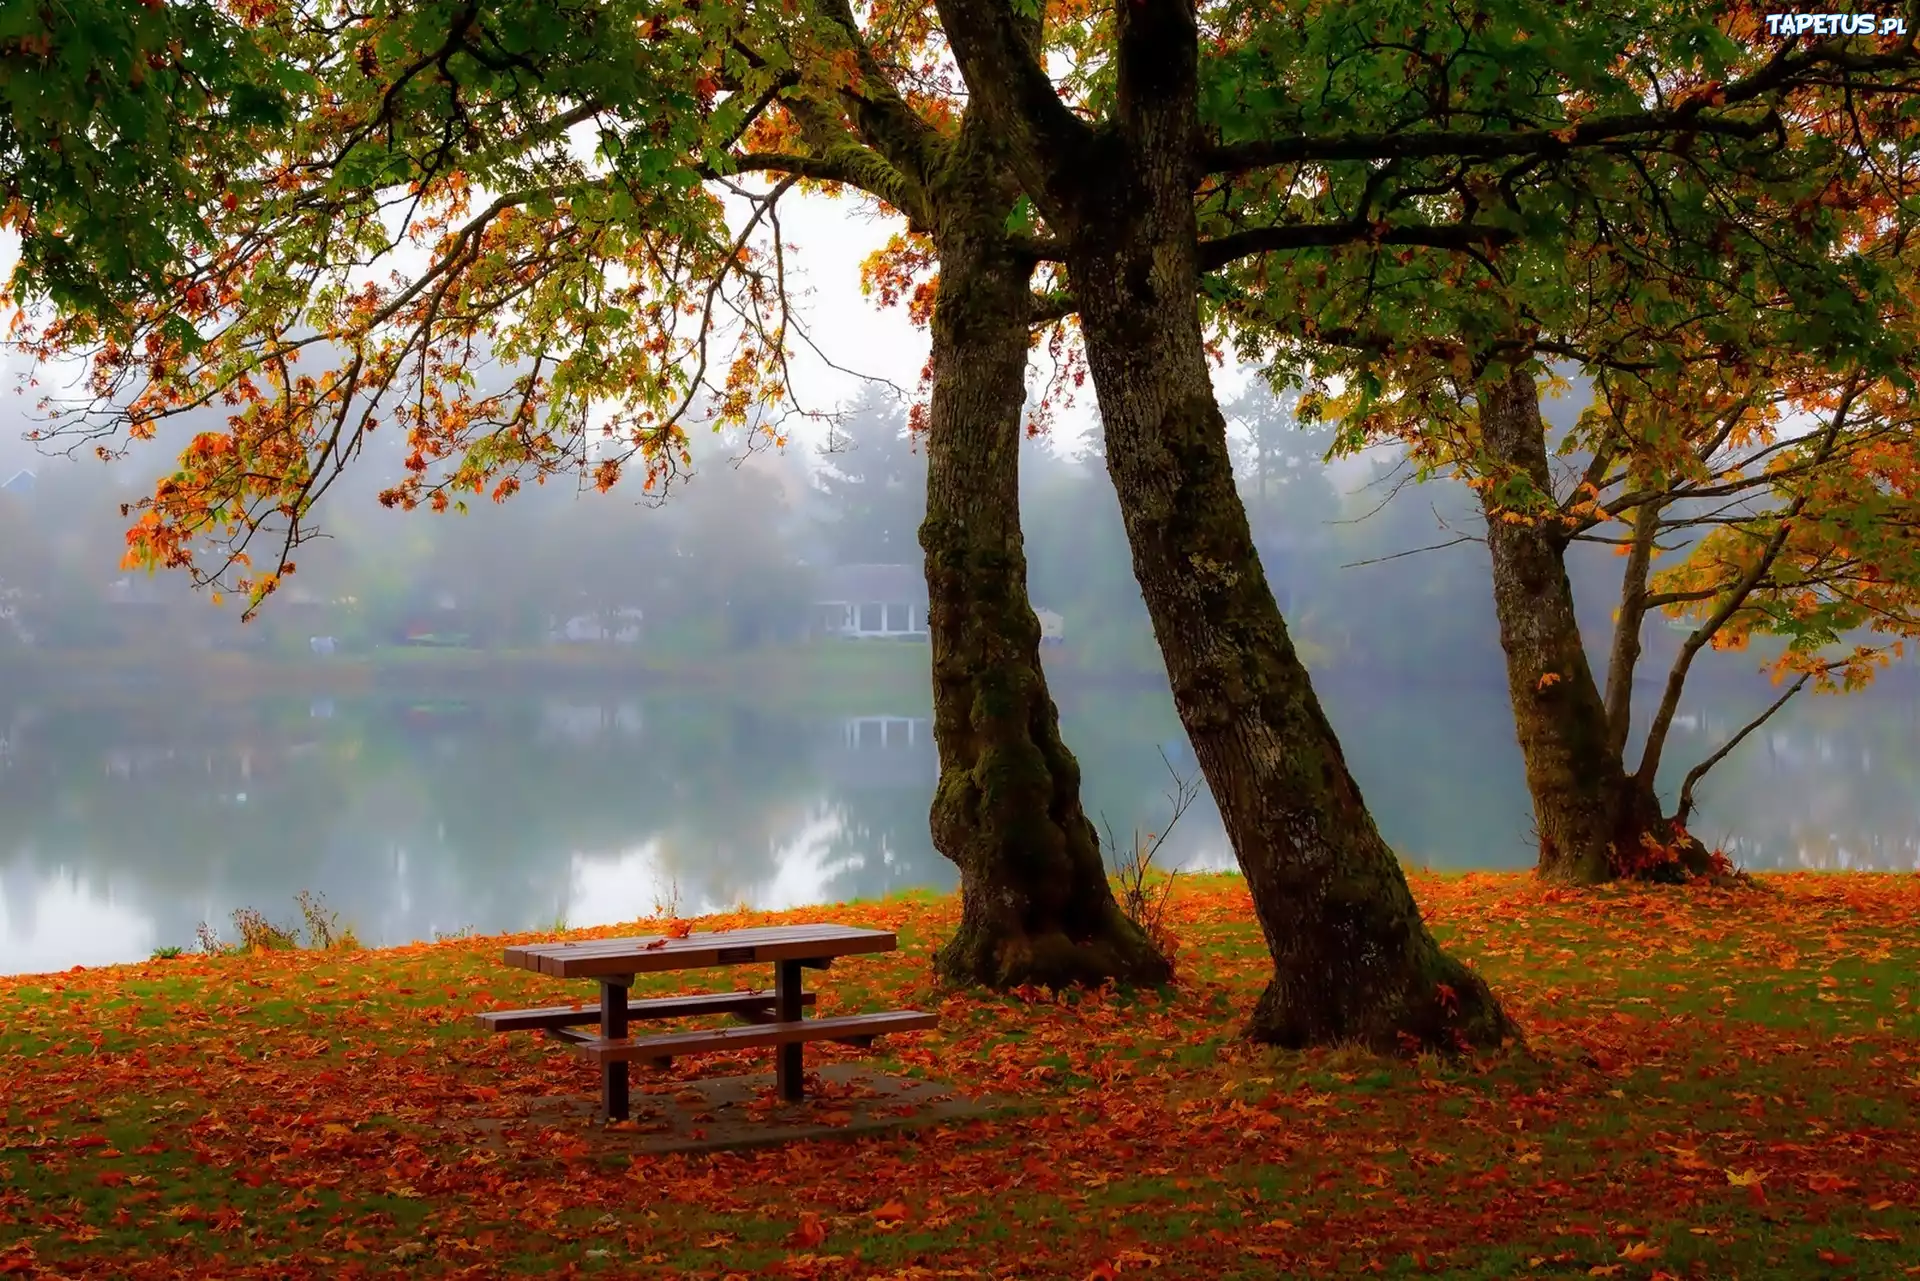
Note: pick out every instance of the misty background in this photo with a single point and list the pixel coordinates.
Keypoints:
(583, 707)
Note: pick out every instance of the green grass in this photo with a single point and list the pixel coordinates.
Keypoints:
(1721, 1085)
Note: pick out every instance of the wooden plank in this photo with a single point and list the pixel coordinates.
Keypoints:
(600, 957)
(663, 1007)
(846, 1027)
(747, 936)
(707, 940)
(529, 955)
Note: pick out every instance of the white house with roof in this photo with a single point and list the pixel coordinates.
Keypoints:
(868, 601)
(888, 602)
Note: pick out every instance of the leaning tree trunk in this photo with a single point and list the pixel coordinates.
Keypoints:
(1593, 817)
(1036, 906)
(1352, 959)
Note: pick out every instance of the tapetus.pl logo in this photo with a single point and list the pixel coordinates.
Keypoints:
(1834, 24)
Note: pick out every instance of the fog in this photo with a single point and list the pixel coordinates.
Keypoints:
(575, 705)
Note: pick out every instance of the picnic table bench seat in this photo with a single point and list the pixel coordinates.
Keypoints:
(549, 1017)
(851, 1029)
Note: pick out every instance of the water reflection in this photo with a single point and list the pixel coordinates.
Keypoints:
(124, 824)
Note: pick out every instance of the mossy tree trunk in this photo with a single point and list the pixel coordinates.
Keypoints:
(1037, 907)
(1592, 815)
(1352, 959)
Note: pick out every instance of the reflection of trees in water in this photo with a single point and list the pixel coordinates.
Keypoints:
(412, 817)
(1828, 784)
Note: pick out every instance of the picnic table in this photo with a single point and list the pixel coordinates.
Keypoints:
(773, 1018)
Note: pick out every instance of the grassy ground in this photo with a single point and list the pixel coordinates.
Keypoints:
(1717, 1085)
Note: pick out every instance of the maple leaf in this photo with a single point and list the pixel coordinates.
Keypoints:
(678, 929)
(809, 1234)
(890, 1212)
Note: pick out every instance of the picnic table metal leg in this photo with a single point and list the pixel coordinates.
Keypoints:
(613, 1023)
(787, 1008)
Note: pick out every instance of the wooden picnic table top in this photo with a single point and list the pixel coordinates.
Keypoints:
(653, 954)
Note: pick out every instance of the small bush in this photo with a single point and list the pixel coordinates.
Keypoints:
(1143, 888)
(258, 934)
(323, 924)
(167, 953)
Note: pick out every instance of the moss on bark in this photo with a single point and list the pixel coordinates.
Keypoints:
(1037, 907)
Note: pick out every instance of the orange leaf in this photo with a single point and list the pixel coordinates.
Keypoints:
(810, 1233)
(891, 1212)
(677, 929)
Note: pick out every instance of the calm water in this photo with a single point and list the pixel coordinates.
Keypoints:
(123, 825)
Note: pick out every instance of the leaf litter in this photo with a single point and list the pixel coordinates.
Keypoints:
(1715, 1083)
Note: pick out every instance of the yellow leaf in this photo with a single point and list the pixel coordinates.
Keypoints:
(1745, 1178)
(1638, 1250)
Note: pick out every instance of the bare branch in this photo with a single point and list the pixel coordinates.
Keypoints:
(1684, 809)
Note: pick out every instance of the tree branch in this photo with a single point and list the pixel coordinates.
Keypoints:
(1217, 253)
(998, 56)
(1626, 632)
(1046, 308)
(1475, 144)
(1735, 598)
(1684, 809)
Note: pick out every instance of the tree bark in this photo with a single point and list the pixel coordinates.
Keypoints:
(1593, 818)
(1036, 904)
(1352, 959)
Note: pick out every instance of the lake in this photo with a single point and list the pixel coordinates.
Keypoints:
(126, 822)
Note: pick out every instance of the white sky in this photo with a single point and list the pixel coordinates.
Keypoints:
(832, 237)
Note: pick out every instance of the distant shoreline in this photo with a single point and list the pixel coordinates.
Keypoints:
(819, 671)
(400, 669)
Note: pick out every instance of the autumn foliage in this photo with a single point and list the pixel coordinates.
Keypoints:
(1720, 1083)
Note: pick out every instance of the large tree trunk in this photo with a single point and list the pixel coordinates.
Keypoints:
(1352, 959)
(1594, 819)
(1036, 905)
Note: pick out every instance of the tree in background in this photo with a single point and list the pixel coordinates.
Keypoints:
(872, 482)
(601, 280)
(1676, 291)
(115, 120)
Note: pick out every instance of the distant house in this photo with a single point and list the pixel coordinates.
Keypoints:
(603, 627)
(872, 601)
(20, 484)
(866, 601)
